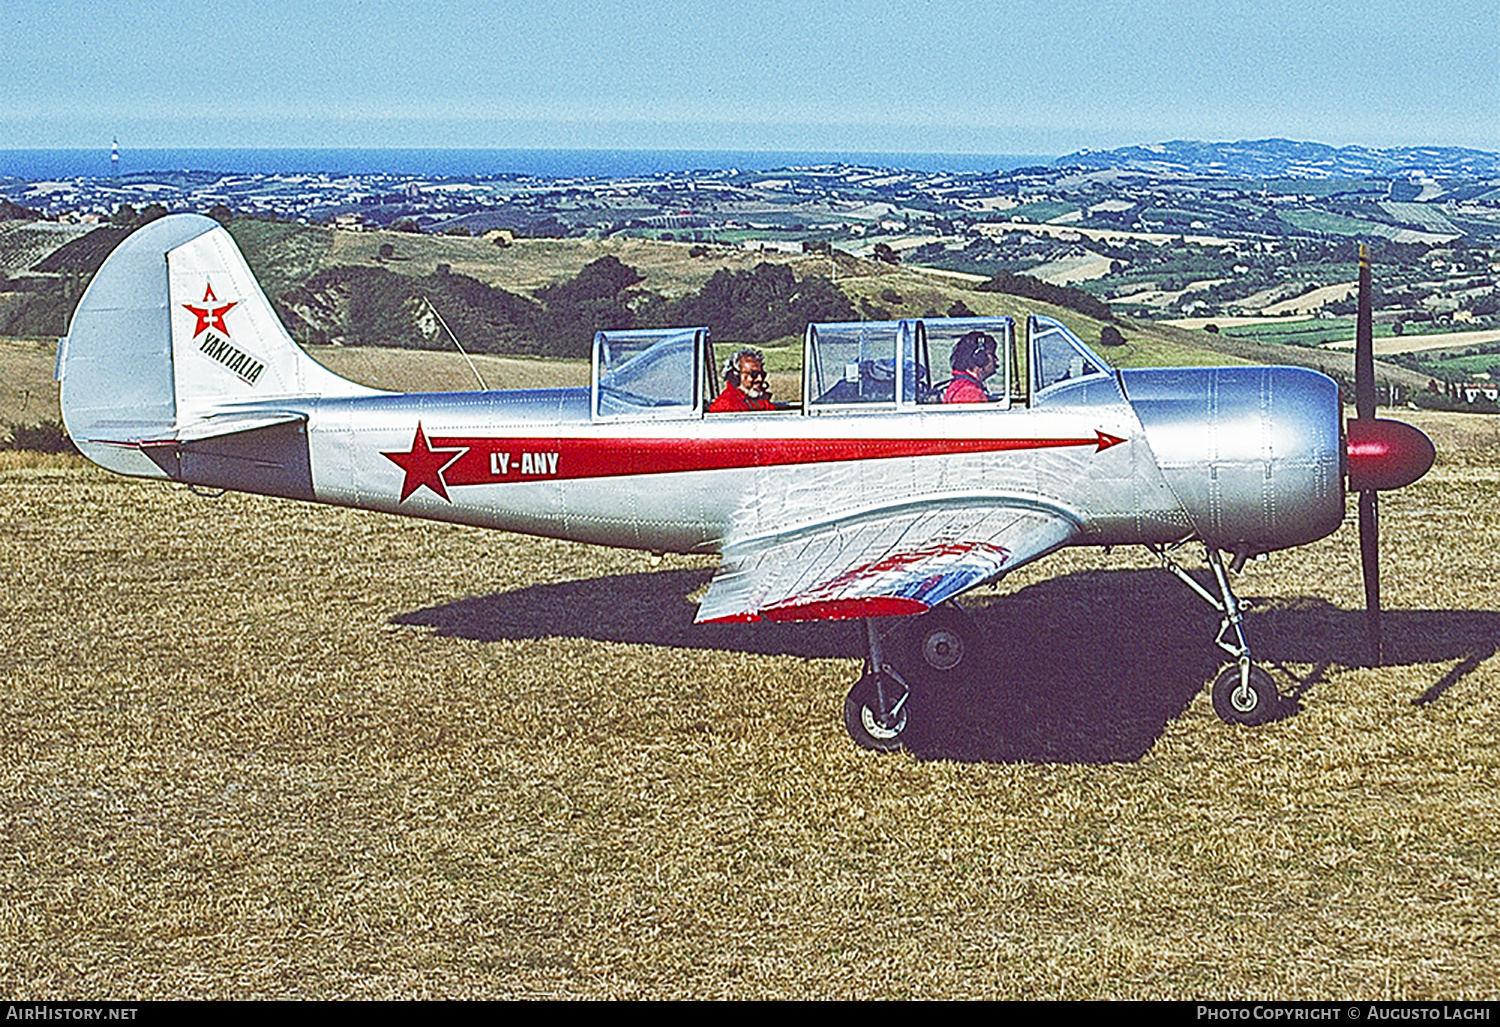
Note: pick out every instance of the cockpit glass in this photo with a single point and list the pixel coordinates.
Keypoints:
(1060, 356)
(645, 372)
(851, 363)
(932, 343)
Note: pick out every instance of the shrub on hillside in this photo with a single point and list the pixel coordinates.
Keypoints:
(1057, 295)
(47, 436)
(373, 306)
(599, 297)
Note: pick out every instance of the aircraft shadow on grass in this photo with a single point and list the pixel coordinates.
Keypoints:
(1088, 667)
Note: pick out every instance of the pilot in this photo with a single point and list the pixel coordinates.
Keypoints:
(973, 361)
(744, 384)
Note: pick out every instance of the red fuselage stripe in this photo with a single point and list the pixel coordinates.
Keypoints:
(494, 461)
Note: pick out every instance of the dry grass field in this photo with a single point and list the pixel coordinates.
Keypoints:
(260, 749)
(27, 392)
(410, 370)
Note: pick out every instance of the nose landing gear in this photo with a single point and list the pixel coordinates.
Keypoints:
(1243, 693)
(1246, 695)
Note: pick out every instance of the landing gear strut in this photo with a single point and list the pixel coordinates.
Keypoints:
(939, 652)
(1243, 693)
(875, 712)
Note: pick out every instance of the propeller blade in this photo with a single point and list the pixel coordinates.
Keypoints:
(1369, 562)
(1364, 343)
(1364, 410)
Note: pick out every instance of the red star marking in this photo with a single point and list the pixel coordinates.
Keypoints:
(210, 317)
(424, 465)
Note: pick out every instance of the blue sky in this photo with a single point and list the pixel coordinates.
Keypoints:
(875, 75)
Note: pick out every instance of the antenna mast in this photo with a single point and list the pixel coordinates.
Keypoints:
(433, 308)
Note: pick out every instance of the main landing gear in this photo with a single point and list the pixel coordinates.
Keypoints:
(942, 647)
(1243, 693)
(940, 650)
(875, 710)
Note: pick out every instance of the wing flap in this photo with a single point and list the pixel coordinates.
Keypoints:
(887, 563)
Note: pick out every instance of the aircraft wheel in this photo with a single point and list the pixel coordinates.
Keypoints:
(1236, 704)
(865, 725)
(943, 648)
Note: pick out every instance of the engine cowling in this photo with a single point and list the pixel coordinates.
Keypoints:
(1254, 454)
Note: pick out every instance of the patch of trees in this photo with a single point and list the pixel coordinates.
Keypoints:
(600, 296)
(1057, 295)
(373, 306)
(765, 303)
(547, 227)
(14, 212)
(504, 321)
(126, 216)
(1449, 401)
(1382, 251)
(49, 298)
(980, 256)
(1483, 306)
(84, 254)
(44, 312)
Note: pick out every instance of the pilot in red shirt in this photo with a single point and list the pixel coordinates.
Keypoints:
(973, 361)
(745, 388)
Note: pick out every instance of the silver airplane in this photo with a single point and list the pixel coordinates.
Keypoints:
(867, 498)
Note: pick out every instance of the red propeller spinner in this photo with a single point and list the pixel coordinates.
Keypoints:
(1386, 454)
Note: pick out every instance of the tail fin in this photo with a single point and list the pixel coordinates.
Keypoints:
(174, 340)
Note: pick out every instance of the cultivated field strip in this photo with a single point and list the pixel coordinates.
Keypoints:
(261, 749)
(25, 243)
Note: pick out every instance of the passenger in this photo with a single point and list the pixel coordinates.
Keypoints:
(973, 361)
(745, 384)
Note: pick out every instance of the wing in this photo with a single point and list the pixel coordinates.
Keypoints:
(885, 563)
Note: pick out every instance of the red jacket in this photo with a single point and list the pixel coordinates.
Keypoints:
(965, 388)
(732, 399)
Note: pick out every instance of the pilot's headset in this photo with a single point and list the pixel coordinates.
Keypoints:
(971, 350)
(732, 365)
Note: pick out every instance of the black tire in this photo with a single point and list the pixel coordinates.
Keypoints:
(944, 648)
(865, 725)
(1260, 704)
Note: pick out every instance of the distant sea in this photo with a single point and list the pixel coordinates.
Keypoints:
(49, 164)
